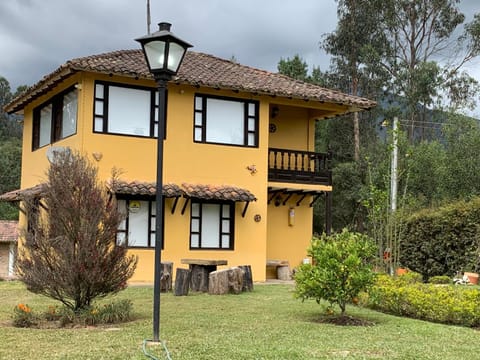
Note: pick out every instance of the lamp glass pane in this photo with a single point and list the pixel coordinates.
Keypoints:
(175, 55)
(155, 51)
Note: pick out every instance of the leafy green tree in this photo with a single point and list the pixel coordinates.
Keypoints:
(352, 46)
(418, 33)
(9, 124)
(342, 267)
(462, 138)
(70, 252)
(10, 150)
(10, 170)
(295, 68)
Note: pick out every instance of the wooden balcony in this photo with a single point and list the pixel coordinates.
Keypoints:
(294, 166)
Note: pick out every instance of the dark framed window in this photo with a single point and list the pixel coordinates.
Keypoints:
(125, 110)
(55, 119)
(137, 230)
(228, 121)
(212, 225)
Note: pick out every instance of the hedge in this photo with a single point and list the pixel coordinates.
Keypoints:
(448, 304)
(442, 241)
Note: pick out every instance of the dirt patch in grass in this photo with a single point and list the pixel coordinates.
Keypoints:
(344, 320)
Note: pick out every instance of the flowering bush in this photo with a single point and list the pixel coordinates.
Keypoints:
(23, 316)
(443, 304)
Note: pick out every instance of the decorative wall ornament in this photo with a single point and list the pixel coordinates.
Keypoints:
(252, 169)
(97, 156)
(257, 218)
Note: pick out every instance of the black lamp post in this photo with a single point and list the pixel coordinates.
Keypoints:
(164, 53)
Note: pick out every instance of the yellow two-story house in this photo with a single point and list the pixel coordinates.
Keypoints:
(240, 170)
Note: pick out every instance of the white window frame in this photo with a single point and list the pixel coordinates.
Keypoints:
(126, 110)
(55, 119)
(212, 225)
(225, 121)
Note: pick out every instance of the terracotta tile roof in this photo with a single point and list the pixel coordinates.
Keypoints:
(141, 188)
(144, 188)
(8, 231)
(218, 192)
(197, 69)
(18, 195)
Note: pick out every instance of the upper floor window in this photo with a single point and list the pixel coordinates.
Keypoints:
(229, 121)
(125, 110)
(55, 119)
(212, 225)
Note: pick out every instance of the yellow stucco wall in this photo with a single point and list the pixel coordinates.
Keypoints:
(189, 162)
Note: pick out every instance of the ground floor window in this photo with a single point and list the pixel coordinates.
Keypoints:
(137, 230)
(212, 225)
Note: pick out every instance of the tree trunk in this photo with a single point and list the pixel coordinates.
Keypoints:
(356, 126)
(182, 282)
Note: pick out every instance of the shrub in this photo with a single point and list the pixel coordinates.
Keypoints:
(442, 279)
(111, 313)
(23, 316)
(341, 269)
(443, 304)
(410, 277)
(442, 241)
(70, 252)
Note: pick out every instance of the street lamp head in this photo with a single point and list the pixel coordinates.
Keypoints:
(163, 52)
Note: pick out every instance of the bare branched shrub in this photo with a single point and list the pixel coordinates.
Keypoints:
(69, 251)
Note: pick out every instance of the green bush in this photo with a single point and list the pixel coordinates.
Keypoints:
(341, 269)
(111, 313)
(442, 279)
(442, 241)
(443, 304)
(23, 316)
(410, 277)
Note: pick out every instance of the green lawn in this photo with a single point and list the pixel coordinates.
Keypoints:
(267, 323)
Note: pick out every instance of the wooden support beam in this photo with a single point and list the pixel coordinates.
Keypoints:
(185, 205)
(175, 204)
(245, 208)
(328, 212)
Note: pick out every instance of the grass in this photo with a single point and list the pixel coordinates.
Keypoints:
(267, 323)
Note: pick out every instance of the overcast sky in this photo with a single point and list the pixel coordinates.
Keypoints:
(37, 36)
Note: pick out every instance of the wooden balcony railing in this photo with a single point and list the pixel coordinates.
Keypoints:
(296, 166)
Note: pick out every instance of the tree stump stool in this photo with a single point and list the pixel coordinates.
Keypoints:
(247, 278)
(200, 269)
(283, 272)
(166, 276)
(228, 281)
(182, 282)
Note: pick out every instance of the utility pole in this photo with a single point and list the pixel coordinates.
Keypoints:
(394, 167)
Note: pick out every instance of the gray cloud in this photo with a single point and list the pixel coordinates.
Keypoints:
(37, 36)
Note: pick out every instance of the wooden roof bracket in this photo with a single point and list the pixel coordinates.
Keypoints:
(290, 194)
(274, 194)
(187, 199)
(245, 208)
(301, 199)
(175, 205)
(315, 198)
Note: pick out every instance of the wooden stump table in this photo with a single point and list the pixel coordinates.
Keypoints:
(200, 270)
